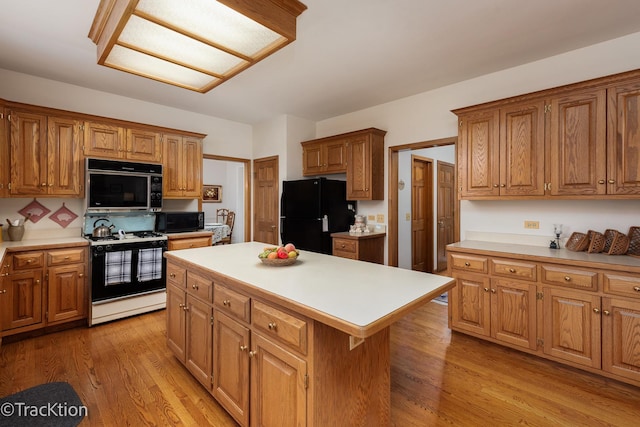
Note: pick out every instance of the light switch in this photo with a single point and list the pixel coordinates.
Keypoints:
(407, 216)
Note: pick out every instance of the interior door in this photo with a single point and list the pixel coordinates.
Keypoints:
(446, 195)
(265, 200)
(421, 214)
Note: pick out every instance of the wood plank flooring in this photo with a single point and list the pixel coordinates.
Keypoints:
(125, 375)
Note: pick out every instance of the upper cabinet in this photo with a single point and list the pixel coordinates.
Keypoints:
(116, 142)
(45, 155)
(359, 154)
(182, 174)
(577, 141)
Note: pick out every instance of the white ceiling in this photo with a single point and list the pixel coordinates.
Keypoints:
(349, 54)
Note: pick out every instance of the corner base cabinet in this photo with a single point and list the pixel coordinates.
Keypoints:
(271, 360)
(576, 308)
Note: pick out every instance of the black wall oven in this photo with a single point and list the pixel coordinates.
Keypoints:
(122, 269)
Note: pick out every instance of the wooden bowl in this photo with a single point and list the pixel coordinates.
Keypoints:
(279, 262)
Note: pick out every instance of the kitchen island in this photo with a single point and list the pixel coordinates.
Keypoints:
(306, 344)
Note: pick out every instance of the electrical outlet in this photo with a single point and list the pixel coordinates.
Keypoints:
(380, 218)
(407, 216)
(371, 217)
(532, 225)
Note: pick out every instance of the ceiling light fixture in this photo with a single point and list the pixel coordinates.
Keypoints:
(194, 44)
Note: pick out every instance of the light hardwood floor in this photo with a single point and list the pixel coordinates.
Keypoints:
(125, 375)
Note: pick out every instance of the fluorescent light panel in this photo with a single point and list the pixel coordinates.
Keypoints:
(195, 44)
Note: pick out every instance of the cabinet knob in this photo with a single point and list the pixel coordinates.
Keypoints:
(512, 270)
(612, 181)
(29, 261)
(243, 348)
(44, 184)
(37, 281)
(601, 181)
(226, 303)
(567, 278)
(81, 275)
(172, 275)
(486, 289)
(467, 264)
(252, 353)
(493, 291)
(596, 310)
(606, 312)
(342, 246)
(185, 308)
(636, 288)
(273, 326)
(502, 185)
(495, 185)
(3, 291)
(194, 286)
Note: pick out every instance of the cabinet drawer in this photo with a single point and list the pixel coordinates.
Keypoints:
(176, 275)
(469, 263)
(276, 323)
(619, 284)
(27, 260)
(231, 302)
(193, 242)
(569, 277)
(66, 256)
(199, 286)
(345, 246)
(513, 269)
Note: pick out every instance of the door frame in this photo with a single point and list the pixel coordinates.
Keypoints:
(392, 209)
(246, 190)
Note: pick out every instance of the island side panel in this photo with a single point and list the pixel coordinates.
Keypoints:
(351, 387)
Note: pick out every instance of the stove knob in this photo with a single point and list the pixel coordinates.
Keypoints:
(108, 247)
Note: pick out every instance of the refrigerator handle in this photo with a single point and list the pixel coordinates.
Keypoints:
(325, 223)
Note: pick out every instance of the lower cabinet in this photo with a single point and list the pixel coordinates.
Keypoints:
(42, 288)
(583, 314)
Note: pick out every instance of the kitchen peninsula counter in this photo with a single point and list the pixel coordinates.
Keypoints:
(305, 344)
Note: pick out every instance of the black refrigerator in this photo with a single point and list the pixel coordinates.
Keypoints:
(312, 209)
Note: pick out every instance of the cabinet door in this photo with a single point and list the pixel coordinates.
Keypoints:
(278, 391)
(66, 297)
(65, 169)
(192, 167)
(143, 145)
(572, 326)
(623, 139)
(522, 150)
(22, 301)
(335, 155)
(172, 165)
(359, 168)
(478, 155)
(231, 366)
(621, 337)
(4, 156)
(312, 161)
(198, 344)
(577, 144)
(513, 313)
(103, 140)
(28, 153)
(176, 326)
(470, 304)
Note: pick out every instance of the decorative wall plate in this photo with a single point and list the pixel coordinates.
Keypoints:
(63, 216)
(35, 211)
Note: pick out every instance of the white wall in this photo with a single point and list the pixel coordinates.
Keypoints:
(428, 116)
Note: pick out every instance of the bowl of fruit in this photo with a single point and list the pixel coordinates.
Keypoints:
(279, 256)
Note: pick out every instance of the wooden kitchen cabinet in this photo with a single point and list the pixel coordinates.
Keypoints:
(176, 320)
(104, 140)
(198, 239)
(363, 247)
(21, 301)
(359, 154)
(45, 155)
(199, 332)
(581, 313)
(143, 145)
(67, 297)
(182, 160)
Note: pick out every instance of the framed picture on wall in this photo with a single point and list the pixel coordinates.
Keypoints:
(212, 193)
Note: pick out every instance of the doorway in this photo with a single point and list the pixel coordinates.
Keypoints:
(393, 193)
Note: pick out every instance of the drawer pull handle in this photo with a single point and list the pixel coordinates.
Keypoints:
(226, 303)
(172, 275)
(512, 270)
(67, 257)
(273, 326)
(252, 353)
(467, 264)
(194, 286)
(29, 261)
(4, 291)
(181, 305)
(596, 310)
(567, 278)
(486, 289)
(81, 275)
(343, 246)
(636, 288)
(243, 348)
(493, 291)
(606, 312)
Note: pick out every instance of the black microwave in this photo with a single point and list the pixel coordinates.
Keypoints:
(179, 222)
(114, 185)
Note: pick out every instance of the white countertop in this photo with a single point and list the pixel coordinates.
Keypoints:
(553, 254)
(356, 292)
(41, 243)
